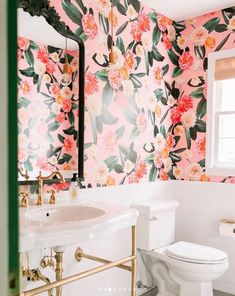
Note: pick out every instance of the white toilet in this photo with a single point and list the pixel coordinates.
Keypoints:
(180, 268)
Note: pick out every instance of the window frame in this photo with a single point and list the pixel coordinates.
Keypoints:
(212, 165)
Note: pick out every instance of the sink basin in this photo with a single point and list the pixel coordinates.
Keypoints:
(64, 214)
(67, 223)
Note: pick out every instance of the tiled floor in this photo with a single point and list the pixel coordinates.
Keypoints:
(216, 293)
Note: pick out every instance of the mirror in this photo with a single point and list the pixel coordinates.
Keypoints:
(50, 97)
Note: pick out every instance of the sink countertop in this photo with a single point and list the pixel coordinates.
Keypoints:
(36, 234)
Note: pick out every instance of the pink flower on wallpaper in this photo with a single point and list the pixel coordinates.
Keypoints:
(166, 41)
(110, 140)
(201, 146)
(136, 31)
(175, 115)
(69, 144)
(54, 89)
(170, 142)
(185, 61)
(91, 84)
(23, 43)
(22, 155)
(185, 103)
(60, 186)
(130, 60)
(132, 179)
(42, 163)
(66, 92)
(42, 55)
(67, 105)
(163, 175)
(163, 22)
(141, 122)
(114, 78)
(157, 160)
(144, 22)
(210, 42)
(89, 25)
(19, 54)
(50, 67)
(141, 170)
(25, 87)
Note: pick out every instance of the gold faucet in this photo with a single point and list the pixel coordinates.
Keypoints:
(40, 184)
(25, 200)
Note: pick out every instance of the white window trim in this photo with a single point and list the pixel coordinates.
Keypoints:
(212, 165)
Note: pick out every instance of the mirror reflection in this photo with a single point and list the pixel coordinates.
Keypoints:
(47, 99)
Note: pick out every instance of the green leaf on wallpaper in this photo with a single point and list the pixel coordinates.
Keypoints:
(50, 117)
(122, 28)
(72, 12)
(77, 32)
(149, 159)
(111, 162)
(179, 150)
(120, 45)
(188, 138)
(152, 173)
(35, 79)
(138, 60)
(225, 16)
(107, 117)
(146, 63)
(164, 116)
(130, 116)
(83, 36)
(107, 95)
(163, 130)
(176, 138)
(61, 161)
(176, 72)
(150, 58)
(23, 102)
(221, 28)
(132, 156)
(193, 133)
(135, 4)
(222, 43)
(53, 126)
(156, 35)
(28, 72)
(67, 157)
(29, 56)
(61, 138)
(124, 150)
(102, 75)
(71, 117)
(202, 163)
(121, 8)
(28, 165)
(201, 108)
(153, 17)
(94, 130)
(69, 131)
(197, 94)
(131, 45)
(137, 83)
(119, 132)
(104, 23)
(173, 57)
(201, 126)
(26, 132)
(211, 24)
(99, 124)
(134, 133)
(158, 93)
(118, 169)
(200, 51)
(39, 83)
(155, 130)
(87, 145)
(176, 47)
(179, 26)
(174, 157)
(81, 5)
(33, 45)
(156, 55)
(165, 69)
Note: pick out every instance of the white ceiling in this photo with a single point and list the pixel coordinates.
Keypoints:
(179, 10)
(37, 29)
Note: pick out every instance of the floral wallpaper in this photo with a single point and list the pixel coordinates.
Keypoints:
(47, 111)
(146, 113)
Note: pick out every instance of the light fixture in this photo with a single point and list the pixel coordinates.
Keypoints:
(66, 77)
(111, 53)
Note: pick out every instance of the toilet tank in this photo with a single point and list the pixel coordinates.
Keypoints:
(156, 223)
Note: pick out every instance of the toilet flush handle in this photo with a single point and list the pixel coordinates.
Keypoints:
(153, 219)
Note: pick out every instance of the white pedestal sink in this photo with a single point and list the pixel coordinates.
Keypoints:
(68, 223)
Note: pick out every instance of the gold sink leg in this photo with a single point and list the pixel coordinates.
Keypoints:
(133, 263)
(59, 271)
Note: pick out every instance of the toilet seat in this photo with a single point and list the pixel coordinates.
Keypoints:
(194, 253)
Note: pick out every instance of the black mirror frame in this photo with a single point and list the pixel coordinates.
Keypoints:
(42, 8)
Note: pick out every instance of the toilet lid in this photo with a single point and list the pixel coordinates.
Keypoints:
(195, 253)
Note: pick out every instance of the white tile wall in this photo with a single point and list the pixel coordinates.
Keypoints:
(197, 220)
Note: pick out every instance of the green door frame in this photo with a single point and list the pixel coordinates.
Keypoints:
(12, 148)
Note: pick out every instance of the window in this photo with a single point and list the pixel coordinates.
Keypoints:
(220, 150)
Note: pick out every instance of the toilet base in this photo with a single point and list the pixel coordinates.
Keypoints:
(193, 288)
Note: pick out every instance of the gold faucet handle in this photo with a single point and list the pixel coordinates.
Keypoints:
(25, 200)
(52, 197)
